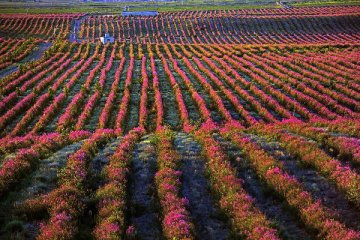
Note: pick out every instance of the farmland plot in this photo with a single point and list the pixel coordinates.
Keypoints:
(236, 124)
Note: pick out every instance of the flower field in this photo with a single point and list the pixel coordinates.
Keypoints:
(232, 124)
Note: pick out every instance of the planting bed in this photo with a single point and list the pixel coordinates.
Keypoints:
(232, 124)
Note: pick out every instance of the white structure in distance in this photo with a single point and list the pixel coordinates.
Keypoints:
(107, 39)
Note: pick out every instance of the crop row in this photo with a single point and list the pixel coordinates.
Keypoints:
(217, 30)
(66, 203)
(229, 81)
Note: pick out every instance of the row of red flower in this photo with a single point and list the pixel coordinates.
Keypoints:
(312, 212)
(245, 217)
(90, 105)
(13, 169)
(66, 119)
(176, 220)
(112, 195)
(344, 178)
(66, 202)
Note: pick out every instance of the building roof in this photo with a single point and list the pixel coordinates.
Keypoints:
(140, 13)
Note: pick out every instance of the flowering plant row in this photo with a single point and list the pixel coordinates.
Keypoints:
(65, 203)
(35, 109)
(204, 111)
(65, 120)
(233, 99)
(345, 179)
(340, 125)
(344, 78)
(312, 212)
(125, 98)
(143, 95)
(105, 113)
(17, 52)
(184, 115)
(288, 102)
(288, 83)
(345, 147)
(12, 113)
(253, 89)
(10, 84)
(41, 25)
(341, 95)
(90, 105)
(112, 196)
(14, 95)
(158, 98)
(246, 218)
(301, 98)
(58, 101)
(26, 85)
(10, 144)
(222, 28)
(13, 169)
(176, 218)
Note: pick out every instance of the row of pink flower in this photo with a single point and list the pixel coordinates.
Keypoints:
(252, 101)
(30, 114)
(7, 43)
(50, 111)
(323, 71)
(41, 25)
(184, 115)
(211, 33)
(304, 76)
(247, 219)
(11, 144)
(200, 102)
(158, 98)
(143, 94)
(90, 105)
(347, 126)
(112, 195)
(10, 83)
(109, 105)
(66, 74)
(341, 63)
(125, 98)
(176, 220)
(249, 120)
(21, 48)
(40, 102)
(266, 99)
(9, 48)
(66, 203)
(234, 36)
(286, 101)
(23, 103)
(54, 66)
(13, 169)
(312, 212)
(13, 112)
(289, 83)
(314, 74)
(308, 101)
(246, 95)
(78, 53)
(308, 152)
(209, 89)
(346, 148)
(67, 118)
